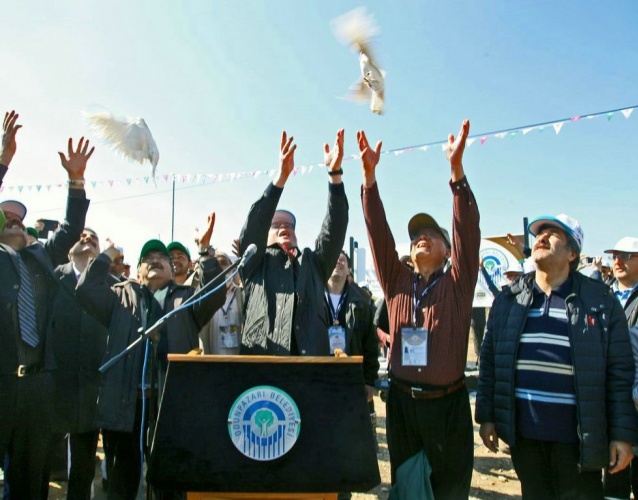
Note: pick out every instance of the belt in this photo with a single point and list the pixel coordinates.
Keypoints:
(422, 393)
(25, 370)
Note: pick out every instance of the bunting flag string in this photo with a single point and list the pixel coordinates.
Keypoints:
(203, 178)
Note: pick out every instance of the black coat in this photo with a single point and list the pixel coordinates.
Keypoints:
(122, 308)
(601, 356)
(79, 343)
(285, 298)
(53, 253)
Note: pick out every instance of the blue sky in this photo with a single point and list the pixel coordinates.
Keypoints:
(218, 81)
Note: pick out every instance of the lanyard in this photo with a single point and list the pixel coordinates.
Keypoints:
(225, 312)
(423, 294)
(334, 315)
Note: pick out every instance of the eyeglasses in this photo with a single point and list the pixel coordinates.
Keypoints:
(623, 255)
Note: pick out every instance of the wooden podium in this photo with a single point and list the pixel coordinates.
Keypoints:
(205, 442)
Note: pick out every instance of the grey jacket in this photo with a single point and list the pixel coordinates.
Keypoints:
(123, 309)
(284, 298)
(602, 359)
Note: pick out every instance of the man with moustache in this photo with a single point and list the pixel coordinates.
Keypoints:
(28, 289)
(284, 285)
(429, 308)
(624, 257)
(79, 342)
(556, 372)
(181, 258)
(124, 308)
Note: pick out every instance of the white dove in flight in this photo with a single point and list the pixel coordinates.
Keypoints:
(356, 28)
(130, 137)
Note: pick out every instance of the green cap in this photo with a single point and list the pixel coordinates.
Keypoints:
(176, 245)
(153, 246)
(33, 232)
(3, 219)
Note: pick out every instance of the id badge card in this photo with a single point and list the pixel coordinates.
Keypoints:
(230, 336)
(414, 346)
(337, 338)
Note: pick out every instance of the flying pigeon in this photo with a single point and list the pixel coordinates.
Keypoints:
(356, 28)
(130, 137)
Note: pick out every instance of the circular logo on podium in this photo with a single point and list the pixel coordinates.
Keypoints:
(264, 423)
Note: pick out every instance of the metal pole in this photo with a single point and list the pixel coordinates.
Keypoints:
(173, 212)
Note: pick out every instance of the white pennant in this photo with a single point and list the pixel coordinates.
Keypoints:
(627, 112)
(557, 126)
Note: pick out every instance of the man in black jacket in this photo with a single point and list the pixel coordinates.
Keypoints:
(28, 289)
(556, 372)
(284, 285)
(124, 308)
(79, 342)
(624, 256)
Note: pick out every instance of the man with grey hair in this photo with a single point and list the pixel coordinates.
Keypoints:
(556, 372)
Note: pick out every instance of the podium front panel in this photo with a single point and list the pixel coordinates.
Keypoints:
(192, 448)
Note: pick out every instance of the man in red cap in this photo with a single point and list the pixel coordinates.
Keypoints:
(28, 289)
(429, 308)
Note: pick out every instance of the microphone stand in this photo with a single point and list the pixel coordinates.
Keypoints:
(201, 294)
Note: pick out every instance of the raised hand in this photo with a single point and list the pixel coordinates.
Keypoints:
(369, 158)
(204, 239)
(75, 164)
(9, 131)
(333, 157)
(455, 149)
(112, 250)
(286, 159)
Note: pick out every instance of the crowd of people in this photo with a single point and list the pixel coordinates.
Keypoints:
(556, 365)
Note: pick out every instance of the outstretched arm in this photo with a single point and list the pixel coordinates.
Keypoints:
(77, 205)
(332, 236)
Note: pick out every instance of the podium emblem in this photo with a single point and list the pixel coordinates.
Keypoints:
(264, 423)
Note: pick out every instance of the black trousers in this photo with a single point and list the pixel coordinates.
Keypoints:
(26, 440)
(83, 446)
(443, 428)
(621, 484)
(549, 470)
(126, 471)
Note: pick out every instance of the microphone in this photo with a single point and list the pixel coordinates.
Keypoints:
(248, 254)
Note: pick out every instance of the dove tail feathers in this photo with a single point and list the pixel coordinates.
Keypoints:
(355, 28)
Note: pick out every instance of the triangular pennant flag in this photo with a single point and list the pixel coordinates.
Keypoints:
(627, 112)
(146, 179)
(20, 189)
(128, 181)
(575, 118)
(444, 146)
(557, 126)
(310, 168)
(93, 184)
(483, 139)
(470, 141)
(500, 135)
(111, 183)
(398, 152)
(528, 130)
(38, 187)
(424, 148)
(609, 116)
(304, 169)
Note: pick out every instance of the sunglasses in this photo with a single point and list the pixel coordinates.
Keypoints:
(623, 255)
